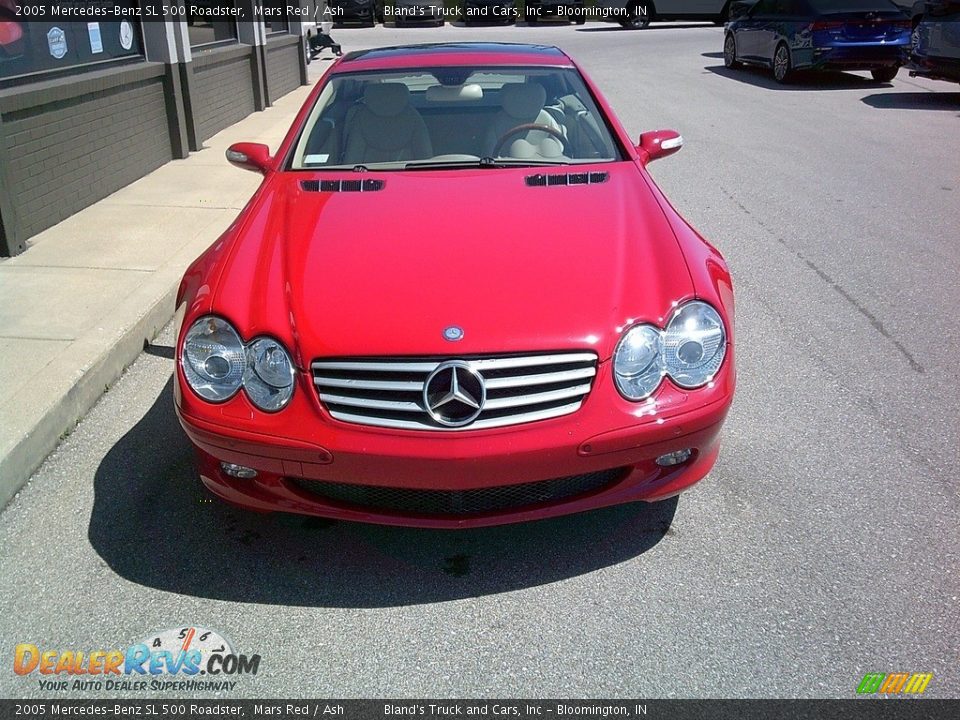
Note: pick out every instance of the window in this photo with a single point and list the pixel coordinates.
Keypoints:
(204, 27)
(275, 18)
(48, 44)
(450, 117)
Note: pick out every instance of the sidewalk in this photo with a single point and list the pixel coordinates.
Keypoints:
(77, 307)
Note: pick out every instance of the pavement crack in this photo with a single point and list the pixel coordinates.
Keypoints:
(861, 308)
(874, 321)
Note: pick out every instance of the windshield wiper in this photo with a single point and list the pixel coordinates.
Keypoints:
(484, 162)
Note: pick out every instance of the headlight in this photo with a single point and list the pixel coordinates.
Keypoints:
(268, 379)
(637, 362)
(213, 359)
(216, 363)
(694, 344)
(690, 350)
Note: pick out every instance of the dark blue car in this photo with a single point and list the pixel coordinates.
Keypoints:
(790, 35)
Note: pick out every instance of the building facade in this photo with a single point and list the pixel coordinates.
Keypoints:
(94, 99)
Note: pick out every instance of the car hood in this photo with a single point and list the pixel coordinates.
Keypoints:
(518, 268)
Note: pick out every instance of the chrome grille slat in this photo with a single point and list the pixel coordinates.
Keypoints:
(477, 425)
(544, 379)
(520, 389)
(354, 383)
(371, 403)
(521, 400)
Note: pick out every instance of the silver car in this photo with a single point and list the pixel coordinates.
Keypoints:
(636, 14)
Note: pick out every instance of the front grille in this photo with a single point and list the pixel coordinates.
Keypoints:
(461, 502)
(388, 392)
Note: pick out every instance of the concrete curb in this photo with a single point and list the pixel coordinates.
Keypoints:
(73, 398)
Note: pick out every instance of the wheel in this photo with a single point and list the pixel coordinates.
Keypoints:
(730, 52)
(636, 19)
(885, 74)
(782, 66)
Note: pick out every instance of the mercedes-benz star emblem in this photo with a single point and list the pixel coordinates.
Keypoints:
(453, 333)
(454, 394)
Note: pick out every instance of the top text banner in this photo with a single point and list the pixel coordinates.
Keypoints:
(209, 11)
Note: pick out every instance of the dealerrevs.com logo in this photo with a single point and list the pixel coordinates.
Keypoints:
(180, 659)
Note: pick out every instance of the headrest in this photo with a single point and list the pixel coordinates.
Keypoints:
(522, 101)
(386, 99)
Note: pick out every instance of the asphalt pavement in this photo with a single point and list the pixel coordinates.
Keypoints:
(824, 544)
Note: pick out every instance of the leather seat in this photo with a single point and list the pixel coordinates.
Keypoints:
(520, 104)
(385, 127)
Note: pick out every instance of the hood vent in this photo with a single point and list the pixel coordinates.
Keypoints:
(342, 185)
(543, 180)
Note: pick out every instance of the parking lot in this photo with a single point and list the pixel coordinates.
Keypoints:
(824, 545)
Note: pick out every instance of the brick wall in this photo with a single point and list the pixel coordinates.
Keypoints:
(221, 89)
(67, 153)
(282, 67)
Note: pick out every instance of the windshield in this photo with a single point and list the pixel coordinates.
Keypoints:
(454, 117)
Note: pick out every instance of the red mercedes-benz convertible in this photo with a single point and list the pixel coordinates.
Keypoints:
(456, 299)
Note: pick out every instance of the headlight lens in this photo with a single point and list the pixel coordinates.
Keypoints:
(268, 379)
(637, 364)
(694, 345)
(213, 359)
(216, 363)
(690, 350)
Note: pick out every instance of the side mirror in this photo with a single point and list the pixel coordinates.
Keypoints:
(250, 156)
(659, 144)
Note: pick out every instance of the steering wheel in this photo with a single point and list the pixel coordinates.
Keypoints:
(525, 127)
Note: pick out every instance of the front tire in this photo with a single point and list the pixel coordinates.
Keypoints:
(782, 64)
(636, 20)
(885, 74)
(730, 52)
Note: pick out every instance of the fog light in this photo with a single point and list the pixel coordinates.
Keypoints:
(243, 472)
(674, 458)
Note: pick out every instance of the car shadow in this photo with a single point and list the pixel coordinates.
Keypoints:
(914, 101)
(802, 81)
(155, 525)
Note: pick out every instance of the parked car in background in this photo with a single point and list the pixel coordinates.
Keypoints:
(935, 41)
(465, 368)
(415, 12)
(636, 14)
(485, 12)
(791, 35)
(365, 12)
(570, 10)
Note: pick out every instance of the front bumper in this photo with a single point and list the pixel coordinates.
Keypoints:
(303, 443)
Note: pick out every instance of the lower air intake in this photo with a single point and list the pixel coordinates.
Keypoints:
(461, 502)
